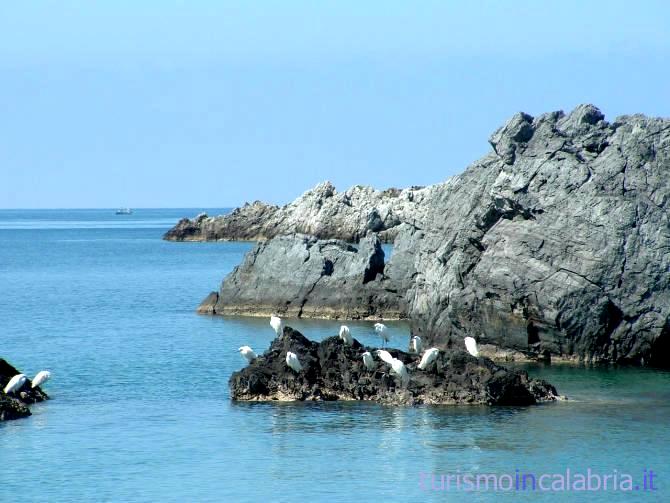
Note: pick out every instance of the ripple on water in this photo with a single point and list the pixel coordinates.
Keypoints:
(140, 407)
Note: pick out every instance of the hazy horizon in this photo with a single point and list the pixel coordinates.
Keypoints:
(114, 208)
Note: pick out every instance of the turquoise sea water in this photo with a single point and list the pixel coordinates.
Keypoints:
(140, 408)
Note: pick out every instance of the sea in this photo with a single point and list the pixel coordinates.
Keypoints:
(140, 408)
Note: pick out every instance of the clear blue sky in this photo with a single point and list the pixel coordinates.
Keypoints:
(193, 103)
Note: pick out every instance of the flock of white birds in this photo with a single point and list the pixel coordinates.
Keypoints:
(396, 367)
(17, 382)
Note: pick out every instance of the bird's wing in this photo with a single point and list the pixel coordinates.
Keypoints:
(385, 356)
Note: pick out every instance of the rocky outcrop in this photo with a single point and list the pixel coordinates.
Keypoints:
(247, 223)
(300, 275)
(556, 243)
(333, 371)
(321, 212)
(15, 405)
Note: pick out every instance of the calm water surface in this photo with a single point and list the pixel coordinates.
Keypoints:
(141, 412)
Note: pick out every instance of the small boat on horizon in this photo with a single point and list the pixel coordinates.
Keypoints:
(124, 211)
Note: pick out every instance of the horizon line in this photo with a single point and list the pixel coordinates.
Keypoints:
(114, 208)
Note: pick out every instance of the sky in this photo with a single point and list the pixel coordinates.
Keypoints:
(165, 103)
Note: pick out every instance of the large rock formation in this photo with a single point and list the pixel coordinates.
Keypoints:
(299, 275)
(321, 212)
(557, 242)
(333, 371)
(15, 406)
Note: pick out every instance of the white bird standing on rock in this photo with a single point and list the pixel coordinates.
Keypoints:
(277, 324)
(398, 368)
(416, 346)
(15, 383)
(248, 353)
(40, 378)
(345, 335)
(471, 346)
(384, 356)
(293, 362)
(368, 361)
(380, 328)
(428, 357)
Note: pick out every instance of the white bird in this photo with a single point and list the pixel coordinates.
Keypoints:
(247, 353)
(471, 346)
(41, 377)
(428, 357)
(416, 346)
(398, 368)
(345, 335)
(277, 324)
(15, 383)
(380, 328)
(385, 356)
(368, 361)
(293, 362)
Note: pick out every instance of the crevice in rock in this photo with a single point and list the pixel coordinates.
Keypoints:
(610, 318)
(550, 157)
(624, 247)
(659, 353)
(328, 268)
(577, 274)
(306, 296)
(375, 266)
(623, 172)
(533, 333)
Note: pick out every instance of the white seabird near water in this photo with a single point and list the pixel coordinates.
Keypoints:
(471, 346)
(247, 353)
(277, 324)
(293, 362)
(15, 383)
(40, 378)
(428, 357)
(368, 361)
(381, 329)
(345, 335)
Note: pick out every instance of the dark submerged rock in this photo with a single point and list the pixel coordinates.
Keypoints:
(335, 371)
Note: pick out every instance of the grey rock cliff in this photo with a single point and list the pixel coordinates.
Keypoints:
(299, 275)
(321, 212)
(557, 242)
